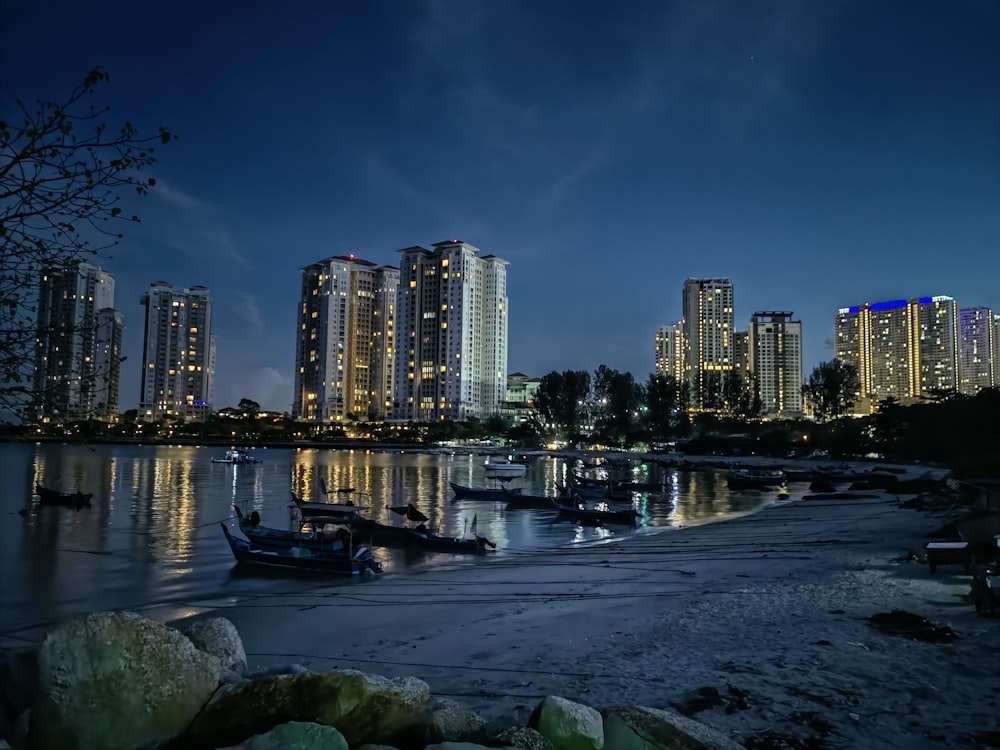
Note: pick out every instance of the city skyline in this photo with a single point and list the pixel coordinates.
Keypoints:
(818, 156)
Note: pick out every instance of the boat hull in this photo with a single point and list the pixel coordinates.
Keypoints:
(299, 558)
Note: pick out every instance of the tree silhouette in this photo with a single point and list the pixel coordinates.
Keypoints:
(62, 175)
(831, 389)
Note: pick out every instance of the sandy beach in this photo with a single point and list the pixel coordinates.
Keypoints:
(765, 615)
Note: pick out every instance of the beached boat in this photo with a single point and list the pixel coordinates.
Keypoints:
(504, 468)
(436, 542)
(749, 479)
(319, 537)
(76, 499)
(236, 456)
(348, 561)
(576, 510)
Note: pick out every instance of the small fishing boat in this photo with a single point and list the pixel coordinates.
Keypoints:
(76, 499)
(347, 561)
(319, 537)
(422, 537)
(236, 456)
(576, 510)
(341, 512)
(754, 479)
(495, 494)
(504, 468)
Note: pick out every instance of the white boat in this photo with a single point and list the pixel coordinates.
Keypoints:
(502, 468)
(236, 456)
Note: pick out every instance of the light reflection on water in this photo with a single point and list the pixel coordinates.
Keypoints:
(152, 532)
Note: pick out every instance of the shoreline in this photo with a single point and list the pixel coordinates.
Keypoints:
(769, 607)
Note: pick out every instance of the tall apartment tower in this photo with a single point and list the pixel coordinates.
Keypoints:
(670, 351)
(451, 334)
(345, 341)
(977, 350)
(775, 356)
(901, 348)
(107, 363)
(178, 360)
(708, 337)
(75, 374)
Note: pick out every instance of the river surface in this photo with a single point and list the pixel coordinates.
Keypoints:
(151, 537)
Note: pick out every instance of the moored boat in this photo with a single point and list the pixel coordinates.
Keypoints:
(495, 494)
(319, 538)
(76, 499)
(573, 509)
(344, 562)
(503, 468)
(748, 479)
(236, 456)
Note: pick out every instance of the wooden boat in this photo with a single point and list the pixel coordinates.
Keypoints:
(494, 494)
(344, 562)
(320, 539)
(76, 499)
(524, 501)
(748, 479)
(312, 510)
(436, 542)
(576, 510)
(236, 456)
(503, 468)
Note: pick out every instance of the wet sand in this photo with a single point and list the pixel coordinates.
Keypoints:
(768, 609)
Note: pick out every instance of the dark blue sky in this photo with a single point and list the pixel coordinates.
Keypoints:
(820, 154)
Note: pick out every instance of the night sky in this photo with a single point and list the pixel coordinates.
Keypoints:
(821, 154)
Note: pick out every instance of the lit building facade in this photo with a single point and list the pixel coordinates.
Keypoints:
(708, 337)
(902, 349)
(75, 373)
(345, 341)
(178, 361)
(670, 351)
(976, 349)
(775, 362)
(451, 334)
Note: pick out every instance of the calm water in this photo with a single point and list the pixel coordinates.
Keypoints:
(151, 536)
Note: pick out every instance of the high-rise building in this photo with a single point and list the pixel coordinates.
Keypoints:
(996, 353)
(345, 341)
(977, 344)
(708, 338)
(902, 349)
(670, 351)
(107, 363)
(775, 356)
(451, 334)
(76, 374)
(178, 353)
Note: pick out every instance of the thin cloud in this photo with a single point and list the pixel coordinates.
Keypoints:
(247, 310)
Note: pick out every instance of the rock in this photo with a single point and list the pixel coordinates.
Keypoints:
(452, 722)
(643, 728)
(461, 746)
(18, 686)
(365, 708)
(218, 636)
(369, 746)
(297, 735)
(524, 738)
(517, 717)
(117, 680)
(568, 725)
